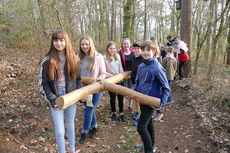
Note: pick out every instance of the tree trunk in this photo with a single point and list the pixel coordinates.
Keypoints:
(107, 20)
(207, 50)
(43, 18)
(172, 26)
(196, 22)
(228, 46)
(133, 22)
(115, 21)
(149, 26)
(178, 22)
(127, 18)
(161, 25)
(69, 19)
(145, 21)
(216, 37)
(101, 27)
(186, 30)
(200, 38)
(89, 6)
(121, 29)
(113, 18)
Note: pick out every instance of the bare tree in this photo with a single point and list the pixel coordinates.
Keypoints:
(201, 36)
(216, 37)
(186, 30)
(228, 47)
(113, 18)
(127, 18)
(145, 21)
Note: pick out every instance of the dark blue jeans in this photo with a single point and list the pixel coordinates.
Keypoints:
(145, 128)
(170, 98)
(90, 115)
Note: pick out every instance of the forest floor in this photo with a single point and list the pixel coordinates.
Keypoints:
(197, 122)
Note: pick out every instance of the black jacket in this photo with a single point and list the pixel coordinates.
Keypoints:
(136, 61)
(49, 88)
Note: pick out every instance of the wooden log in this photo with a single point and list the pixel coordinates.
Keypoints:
(76, 95)
(119, 77)
(113, 79)
(108, 84)
(137, 96)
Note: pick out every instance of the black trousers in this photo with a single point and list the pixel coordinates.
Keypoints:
(181, 64)
(113, 104)
(145, 128)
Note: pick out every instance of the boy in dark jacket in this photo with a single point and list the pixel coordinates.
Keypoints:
(150, 80)
(136, 61)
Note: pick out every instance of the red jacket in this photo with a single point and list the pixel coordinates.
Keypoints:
(183, 56)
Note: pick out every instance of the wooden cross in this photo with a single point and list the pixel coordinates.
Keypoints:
(106, 84)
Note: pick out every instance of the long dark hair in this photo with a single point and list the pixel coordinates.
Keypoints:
(71, 60)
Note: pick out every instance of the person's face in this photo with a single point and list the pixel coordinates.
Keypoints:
(59, 44)
(148, 53)
(177, 40)
(111, 50)
(85, 46)
(137, 50)
(175, 50)
(126, 44)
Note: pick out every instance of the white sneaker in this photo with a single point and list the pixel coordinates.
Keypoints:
(182, 79)
(158, 117)
(169, 102)
(154, 149)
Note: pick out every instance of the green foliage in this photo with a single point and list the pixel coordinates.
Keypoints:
(126, 147)
(18, 36)
(50, 135)
(130, 139)
(3, 26)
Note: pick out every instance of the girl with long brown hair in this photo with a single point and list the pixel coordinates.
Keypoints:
(92, 65)
(113, 66)
(59, 74)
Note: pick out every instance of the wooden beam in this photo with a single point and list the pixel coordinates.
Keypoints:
(113, 79)
(107, 84)
(137, 96)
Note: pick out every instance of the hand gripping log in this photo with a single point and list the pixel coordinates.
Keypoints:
(108, 84)
(94, 87)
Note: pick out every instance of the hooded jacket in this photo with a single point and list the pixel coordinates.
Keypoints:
(151, 80)
(170, 64)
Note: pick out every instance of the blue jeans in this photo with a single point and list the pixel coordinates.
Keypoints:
(89, 115)
(170, 98)
(58, 118)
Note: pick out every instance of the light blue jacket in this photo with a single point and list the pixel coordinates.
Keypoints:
(151, 80)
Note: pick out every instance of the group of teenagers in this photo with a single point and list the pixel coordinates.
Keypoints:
(61, 70)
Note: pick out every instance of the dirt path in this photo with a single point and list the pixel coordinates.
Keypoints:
(177, 132)
(26, 124)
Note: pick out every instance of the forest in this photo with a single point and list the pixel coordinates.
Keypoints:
(197, 122)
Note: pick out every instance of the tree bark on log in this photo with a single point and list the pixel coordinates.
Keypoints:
(113, 79)
(107, 84)
(136, 96)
